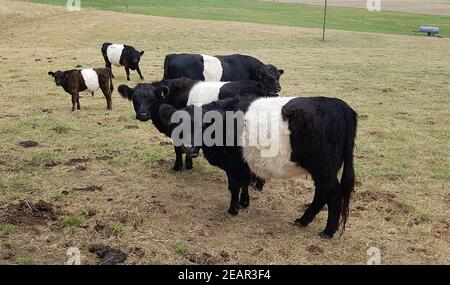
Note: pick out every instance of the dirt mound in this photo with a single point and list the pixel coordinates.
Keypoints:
(314, 249)
(384, 202)
(91, 188)
(28, 144)
(202, 259)
(108, 255)
(76, 161)
(131, 127)
(29, 214)
(102, 158)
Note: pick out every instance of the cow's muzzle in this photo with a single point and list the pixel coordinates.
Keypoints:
(144, 117)
(191, 151)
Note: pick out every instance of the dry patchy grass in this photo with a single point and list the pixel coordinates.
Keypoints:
(90, 164)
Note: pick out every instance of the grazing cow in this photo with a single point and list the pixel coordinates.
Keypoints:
(75, 80)
(234, 67)
(122, 55)
(179, 93)
(307, 135)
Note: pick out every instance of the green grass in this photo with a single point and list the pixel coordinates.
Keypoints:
(5, 228)
(300, 15)
(25, 260)
(180, 247)
(117, 229)
(73, 220)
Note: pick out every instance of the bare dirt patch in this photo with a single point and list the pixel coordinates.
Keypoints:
(76, 161)
(92, 188)
(28, 214)
(131, 127)
(103, 158)
(314, 249)
(108, 255)
(382, 201)
(29, 144)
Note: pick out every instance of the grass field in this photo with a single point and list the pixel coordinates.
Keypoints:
(288, 14)
(105, 178)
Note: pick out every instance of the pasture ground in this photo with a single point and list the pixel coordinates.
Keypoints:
(105, 178)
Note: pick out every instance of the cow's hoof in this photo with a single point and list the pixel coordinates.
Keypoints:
(233, 212)
(128, 79)
(142, 78)
(301, 223)
(177, 168)
(326, 234)
(189, 166)
(244, 204)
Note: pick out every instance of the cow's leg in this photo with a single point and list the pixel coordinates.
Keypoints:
(139, 72)
(334, 203)
(107, 92)
(127, 70)
(317, 204)
(108, 101)
(178, 159)
(74, 100)
(245, 198)
(188, 162)
(78, 103)
(108, 64)
(234, 186)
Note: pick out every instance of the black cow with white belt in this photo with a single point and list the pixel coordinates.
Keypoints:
(234, 67)
(275, 137)
(122, 55)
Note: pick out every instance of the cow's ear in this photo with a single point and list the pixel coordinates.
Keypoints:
(125, 91)
(281, 71)
(51, 73)
(142, 53)
(165, 113)
(161, 92)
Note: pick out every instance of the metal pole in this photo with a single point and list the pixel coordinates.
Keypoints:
(324, 20)
(126, 5)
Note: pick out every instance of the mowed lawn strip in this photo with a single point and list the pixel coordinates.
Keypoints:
(288, 14)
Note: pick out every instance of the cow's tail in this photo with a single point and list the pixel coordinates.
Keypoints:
(166, 67)
(348, 173)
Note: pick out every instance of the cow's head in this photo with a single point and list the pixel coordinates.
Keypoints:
(269, 76)
(60, 77)
(146, 98)
(187, 142)
(133, 60)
